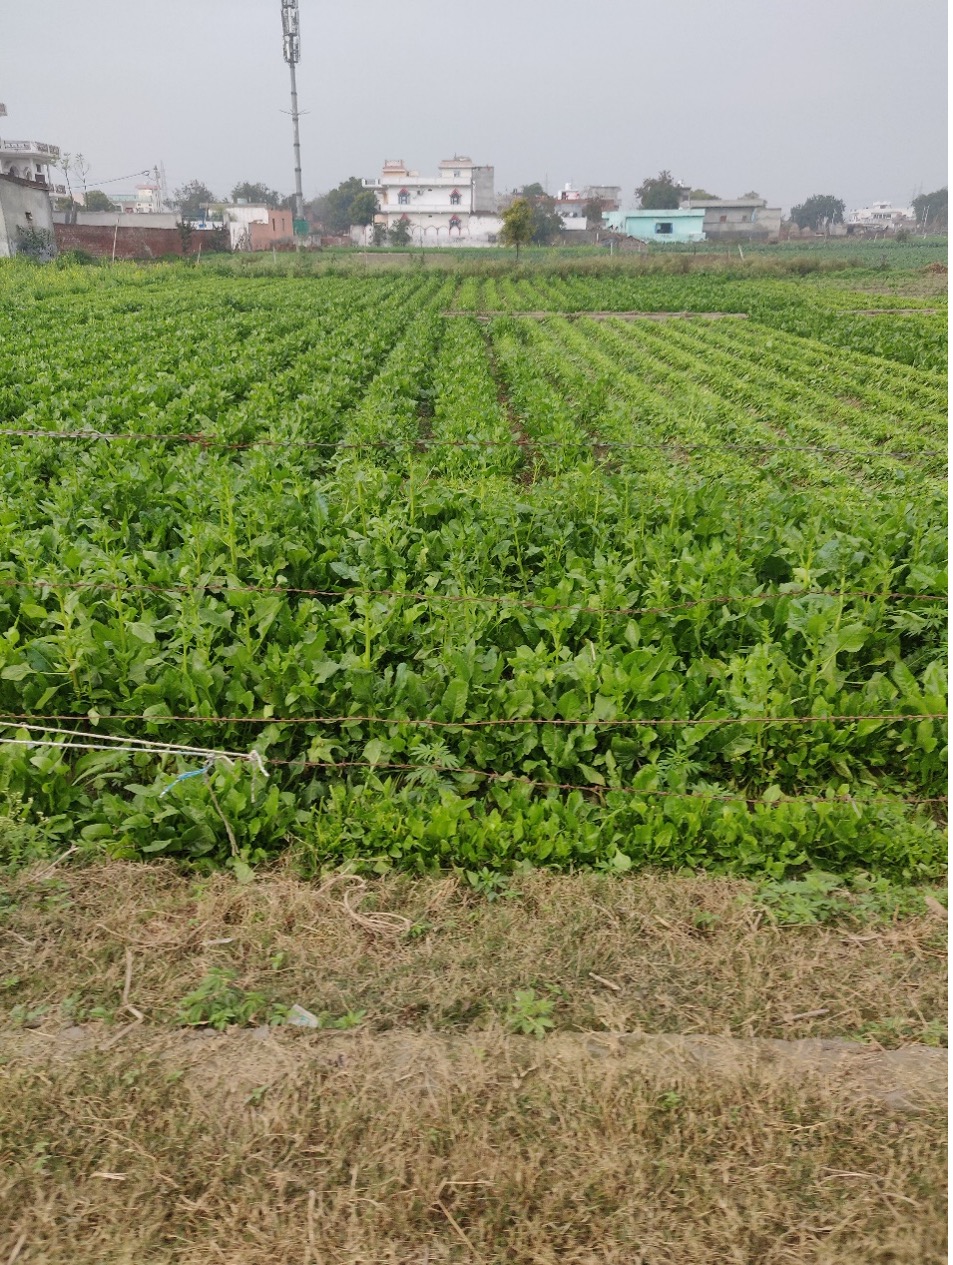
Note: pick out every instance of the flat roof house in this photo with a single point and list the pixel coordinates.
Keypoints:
(739, 219)
(682, 225)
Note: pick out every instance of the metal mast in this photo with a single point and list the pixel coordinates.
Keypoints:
(291, 25)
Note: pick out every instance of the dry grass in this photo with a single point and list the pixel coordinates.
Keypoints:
(653, 953)
(428, 1135)
(316, 1151)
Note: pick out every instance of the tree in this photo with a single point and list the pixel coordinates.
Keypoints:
(400, 233)
(364, 208)
(380, 234)
(256, 194)
(931, 208)
(660, 194)
(819, 211)
(519, 225)
(702, 195)
(335, 209)
(752, 193)
(546, 220)
(193, 198)
(593, 212)
(534, 190)
(67, 163)
(96, 200)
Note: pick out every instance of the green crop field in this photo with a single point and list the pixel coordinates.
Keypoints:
(483, 581)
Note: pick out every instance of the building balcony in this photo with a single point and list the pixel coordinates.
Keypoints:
(39, 151)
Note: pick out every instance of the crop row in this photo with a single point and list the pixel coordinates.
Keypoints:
(502, 515)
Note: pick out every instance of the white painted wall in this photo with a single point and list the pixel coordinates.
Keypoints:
(431, 231)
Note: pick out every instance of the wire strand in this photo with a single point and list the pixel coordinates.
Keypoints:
(426, 722)
(510, 778)
(211, 441)
(487, 598)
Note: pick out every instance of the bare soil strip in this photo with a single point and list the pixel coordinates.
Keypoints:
(254, 1148)
(911, 1079)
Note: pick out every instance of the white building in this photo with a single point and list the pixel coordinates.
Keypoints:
(455, 207)
(571, 208)
(571, 203)
(146, 200)
(31, 160)
(883, 215)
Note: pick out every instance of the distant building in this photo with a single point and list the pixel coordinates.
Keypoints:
(610, 195)
(146, 200)
(455, 207)
(32, 161)
(665, 227)
(737, 219)
(884, 216)
(278, 227)
(26, 219)
(571, 208)
(256, 227)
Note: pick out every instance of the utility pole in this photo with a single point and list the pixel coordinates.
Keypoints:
(291, 26)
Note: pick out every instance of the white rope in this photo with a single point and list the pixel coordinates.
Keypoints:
(96, 742)
(80, 746)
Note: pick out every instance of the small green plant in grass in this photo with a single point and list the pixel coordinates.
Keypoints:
(21, 841)
(669, 1100)
(220, 1003)
(26, 1016)
(815, 898)
(896, 1030)
(489, 883)
(341, 1023)
(529, 1014)
(704, 922)
(818, 897)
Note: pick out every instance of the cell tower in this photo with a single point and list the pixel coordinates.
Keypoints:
(291, 25)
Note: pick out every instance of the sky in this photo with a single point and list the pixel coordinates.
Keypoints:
(785, 97)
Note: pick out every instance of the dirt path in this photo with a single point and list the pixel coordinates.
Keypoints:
(907, 1079)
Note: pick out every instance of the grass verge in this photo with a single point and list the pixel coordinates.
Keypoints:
(654, 953)
(432, 1131)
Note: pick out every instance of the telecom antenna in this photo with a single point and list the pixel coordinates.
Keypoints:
(291, 25)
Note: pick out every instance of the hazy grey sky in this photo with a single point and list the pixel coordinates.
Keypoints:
(789, 97)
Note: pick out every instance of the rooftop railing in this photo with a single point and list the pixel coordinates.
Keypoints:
(30, 147)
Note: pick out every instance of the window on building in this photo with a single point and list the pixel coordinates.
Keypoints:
(665, 226)
(454, 222)
(456, 175)
(723, 219)
(403, 198)
(455, 198)
(29, 217)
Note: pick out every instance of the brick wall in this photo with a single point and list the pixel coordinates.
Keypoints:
(131, 242)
